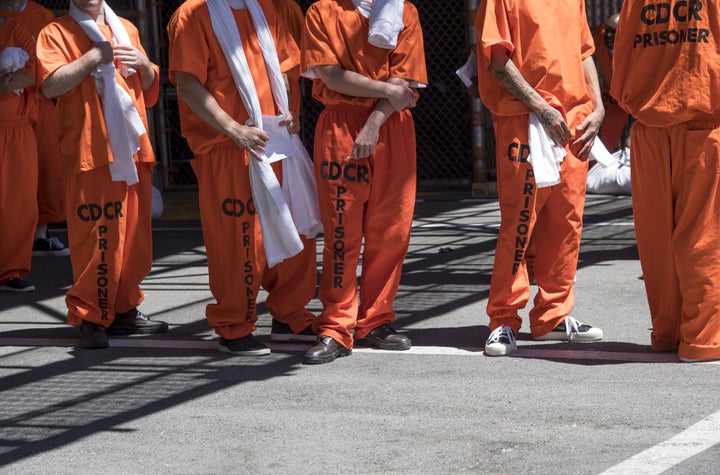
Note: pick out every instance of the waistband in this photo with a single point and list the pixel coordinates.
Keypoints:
(349, 108)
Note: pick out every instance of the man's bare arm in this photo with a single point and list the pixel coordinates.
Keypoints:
(68, 77)
(590, 127)
(509, 76)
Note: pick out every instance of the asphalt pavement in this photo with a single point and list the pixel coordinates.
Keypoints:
(173, 404)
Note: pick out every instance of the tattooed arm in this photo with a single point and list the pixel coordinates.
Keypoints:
(509, 76)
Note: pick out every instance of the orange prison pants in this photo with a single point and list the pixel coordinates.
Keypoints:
(18, 190)
(51, 182)
(236, 258)
(110, 238)
(552, 216)
(613, 125)
(372, 198)
(676, 203)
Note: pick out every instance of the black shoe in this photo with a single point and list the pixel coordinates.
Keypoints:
(93, 336)
(245, 346)
(325, 350)
(134, 322)
(49, 247)
(281, 331)
(386, 338)
(18, 284)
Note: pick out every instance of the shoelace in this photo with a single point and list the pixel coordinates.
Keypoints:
(571, 327)
(499, 332)
(55, 244)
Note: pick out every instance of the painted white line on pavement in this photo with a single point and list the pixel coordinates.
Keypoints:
(692, 441)
(523, 352)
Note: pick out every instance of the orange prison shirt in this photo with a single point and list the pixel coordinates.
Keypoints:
(83, 135)
(18, 163)
(51, 184)
(193, 42)
(615, 118)
(293, 19)
(547, 44)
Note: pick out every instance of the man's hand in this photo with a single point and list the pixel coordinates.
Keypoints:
(291, 122)
(401, 97)
(554, 124)
(587, 130)
(249, 138)
(131, 57)
(366, 141)
(102, 52)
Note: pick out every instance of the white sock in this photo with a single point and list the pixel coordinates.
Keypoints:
(41, 231)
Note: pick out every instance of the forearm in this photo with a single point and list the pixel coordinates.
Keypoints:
(351, 83)
(147, 76)
(511, 79)
(68, 77)
(202, 103)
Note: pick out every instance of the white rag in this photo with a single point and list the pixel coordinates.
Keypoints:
(386, 21)
(469, 70)
(545, 155)
(13, 58)
(600, 154)
(122, 120)
(284, 212)
(611, 179)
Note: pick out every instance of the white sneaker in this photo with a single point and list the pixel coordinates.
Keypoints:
(501, 342)
(572, 330)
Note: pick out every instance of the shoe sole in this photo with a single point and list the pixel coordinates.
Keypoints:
(285, 338)
(258, 352)
(126, 330)
(327, 359)
(578, 337)
(381, 345)
(63, 253)
(491, 351)
(30, 288)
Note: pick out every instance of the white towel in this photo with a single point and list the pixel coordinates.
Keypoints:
(280, 220)
(545, 155)
(386, 21)
(13, 58)
(600, 154)
(469, 70)
(122, 119)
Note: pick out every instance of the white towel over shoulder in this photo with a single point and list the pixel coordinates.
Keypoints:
(545, 155)
(386, 21)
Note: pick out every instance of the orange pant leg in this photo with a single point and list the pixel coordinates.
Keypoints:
(343, 190)
(110, 244)
(233, 241)
(51, 182)
(677, 221)
(388, 220)
(291, 286)
(613, 125)
(18, 205)
(552, 216)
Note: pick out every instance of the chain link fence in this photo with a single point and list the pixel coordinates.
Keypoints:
(446, 118)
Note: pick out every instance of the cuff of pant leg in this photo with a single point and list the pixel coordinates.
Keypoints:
(698, 352)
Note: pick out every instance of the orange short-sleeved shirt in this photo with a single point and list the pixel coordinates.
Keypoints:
(666, 61)
(292, 17)
(83, 135)
(194, 49)
(336, 34)
(547, 41)
(33, 16)
(23, 106)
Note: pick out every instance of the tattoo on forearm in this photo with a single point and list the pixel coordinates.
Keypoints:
(517, 87)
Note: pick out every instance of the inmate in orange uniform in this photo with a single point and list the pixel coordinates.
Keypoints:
(615, 118)
(109, 223)
(558, 71)
(372, 197)
(51, 184)
(231, 228)
(292, 17)
(667, 75)
(18, 162)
